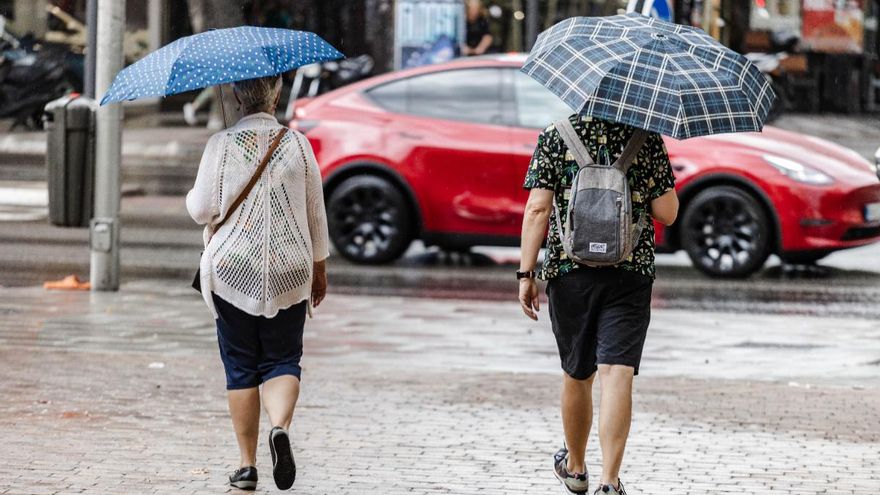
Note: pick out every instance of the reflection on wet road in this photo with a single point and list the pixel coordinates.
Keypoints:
(846, 285)
(850, 292)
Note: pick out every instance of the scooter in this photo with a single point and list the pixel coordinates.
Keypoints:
(782, 44)
(311, 80)
(29, 79)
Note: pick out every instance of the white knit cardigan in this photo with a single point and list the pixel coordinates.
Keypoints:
(261, 259)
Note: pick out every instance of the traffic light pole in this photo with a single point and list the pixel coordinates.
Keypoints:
(91, 42)
(104, 238)
(533, 15)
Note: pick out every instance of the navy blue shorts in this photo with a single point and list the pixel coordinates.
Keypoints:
(255, 348)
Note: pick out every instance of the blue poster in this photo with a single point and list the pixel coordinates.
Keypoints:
(660, 9)
(427, 32)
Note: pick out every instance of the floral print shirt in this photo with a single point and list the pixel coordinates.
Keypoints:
(553, 167)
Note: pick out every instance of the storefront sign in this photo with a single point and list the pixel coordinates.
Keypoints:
(660, 9)
(427, 32)
(833, 26)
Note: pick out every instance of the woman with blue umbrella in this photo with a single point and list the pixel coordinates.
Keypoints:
(259, 194)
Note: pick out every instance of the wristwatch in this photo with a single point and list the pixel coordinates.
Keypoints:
(521, 275)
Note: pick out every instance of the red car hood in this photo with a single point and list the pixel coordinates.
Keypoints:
(838, 162)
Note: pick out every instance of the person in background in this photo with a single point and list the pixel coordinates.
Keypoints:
(205, 98)
(478, 39)
(277, 14)
(262, 268)
(274, 14)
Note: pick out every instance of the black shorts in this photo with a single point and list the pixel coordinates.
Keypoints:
(599, 316)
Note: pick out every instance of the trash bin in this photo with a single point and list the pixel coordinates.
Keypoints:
(70, 158)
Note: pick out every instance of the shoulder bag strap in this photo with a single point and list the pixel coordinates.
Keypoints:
(573, 143)
(254, 179)
(624, 161)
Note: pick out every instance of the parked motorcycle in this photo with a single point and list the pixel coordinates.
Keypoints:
(30, 77)
(782, 45)
(311, 80)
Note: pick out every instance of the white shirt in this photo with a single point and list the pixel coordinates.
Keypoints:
(261, 259)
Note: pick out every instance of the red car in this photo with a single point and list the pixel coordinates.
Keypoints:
(440, 152)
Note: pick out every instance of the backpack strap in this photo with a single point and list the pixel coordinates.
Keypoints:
(624, 161)
(573, 143)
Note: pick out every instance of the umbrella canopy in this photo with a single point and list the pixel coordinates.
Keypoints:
(654, 75)
(217, 57)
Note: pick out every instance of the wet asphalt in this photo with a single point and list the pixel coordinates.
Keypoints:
(846, 285)
(160, 242)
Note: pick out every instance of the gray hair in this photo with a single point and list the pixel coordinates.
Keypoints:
(258, 95)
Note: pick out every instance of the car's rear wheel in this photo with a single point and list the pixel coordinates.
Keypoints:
(726, 232)
(369, 219)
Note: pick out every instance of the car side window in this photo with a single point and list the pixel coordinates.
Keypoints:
(536, 106)
(471, 95)
(391, 96)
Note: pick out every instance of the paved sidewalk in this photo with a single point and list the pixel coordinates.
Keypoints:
(123, 394)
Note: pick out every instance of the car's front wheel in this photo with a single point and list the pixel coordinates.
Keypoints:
(726, 233)
(369, 219)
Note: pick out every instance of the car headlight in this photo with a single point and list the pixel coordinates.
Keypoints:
(798, 171)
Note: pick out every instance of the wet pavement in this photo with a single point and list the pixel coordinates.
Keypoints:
(159, 241)
(123, 393)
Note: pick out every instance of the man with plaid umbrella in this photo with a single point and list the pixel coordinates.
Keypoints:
(599, 316)
(625, 76)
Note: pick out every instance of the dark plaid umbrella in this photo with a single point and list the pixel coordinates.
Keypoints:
(654, 75)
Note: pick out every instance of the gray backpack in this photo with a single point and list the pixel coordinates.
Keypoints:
(599, 229)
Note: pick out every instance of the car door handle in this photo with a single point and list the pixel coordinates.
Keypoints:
(409, 135)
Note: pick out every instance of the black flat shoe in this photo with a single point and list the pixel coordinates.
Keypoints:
(283, 465)
(244, 479)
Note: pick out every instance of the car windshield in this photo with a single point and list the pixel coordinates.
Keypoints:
(536, 106)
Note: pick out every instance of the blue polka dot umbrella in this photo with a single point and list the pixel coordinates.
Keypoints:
(654, 75)
(218, 57)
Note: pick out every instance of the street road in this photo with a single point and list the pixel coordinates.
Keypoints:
(160, 241)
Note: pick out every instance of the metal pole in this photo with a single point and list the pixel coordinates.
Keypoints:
(91, 43)
(532, 18)
(516, 31)
(108, 149)
(154, 22)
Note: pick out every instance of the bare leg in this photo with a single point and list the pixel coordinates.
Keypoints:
(279, 398)
(615, 415)
(244, 405)
(577, 418)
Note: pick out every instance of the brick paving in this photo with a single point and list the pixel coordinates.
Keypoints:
(123, 394)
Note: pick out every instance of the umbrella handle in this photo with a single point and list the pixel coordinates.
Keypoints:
(223, 108)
